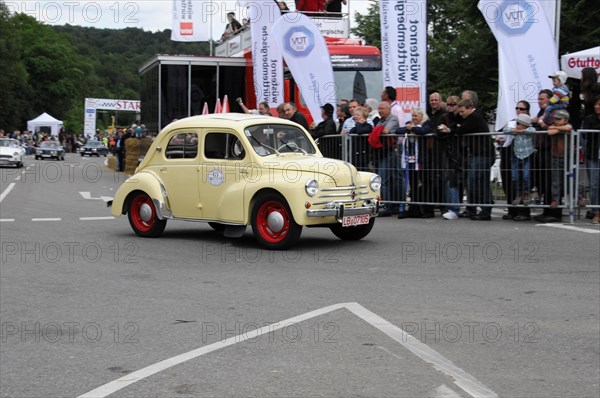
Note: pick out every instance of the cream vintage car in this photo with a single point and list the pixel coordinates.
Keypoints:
(234, 170)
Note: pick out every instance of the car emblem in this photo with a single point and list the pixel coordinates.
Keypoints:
(353, 195)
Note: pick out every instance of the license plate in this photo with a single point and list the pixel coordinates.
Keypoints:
(353, 221)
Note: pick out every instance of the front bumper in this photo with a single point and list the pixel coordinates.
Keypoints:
(340, 211)
(4, 161)
(49, 155)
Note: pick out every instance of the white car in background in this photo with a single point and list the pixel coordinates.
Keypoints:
(11, 152)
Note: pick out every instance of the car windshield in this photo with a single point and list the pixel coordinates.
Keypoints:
(95, 144)
(9, 144)
(269, 139)
(50, 144)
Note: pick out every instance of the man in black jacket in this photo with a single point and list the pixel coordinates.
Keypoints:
(327, 126)
(291, 112)
(481, 157)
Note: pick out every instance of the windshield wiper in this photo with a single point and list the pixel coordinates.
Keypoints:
(263, 145)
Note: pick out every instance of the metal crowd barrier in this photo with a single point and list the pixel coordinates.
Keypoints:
(419, 170)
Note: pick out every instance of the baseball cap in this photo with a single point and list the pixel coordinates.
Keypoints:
(561, 114)
(328, 108)
(524, 119)
(562, 76)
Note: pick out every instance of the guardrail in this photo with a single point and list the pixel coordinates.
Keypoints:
(434, 171)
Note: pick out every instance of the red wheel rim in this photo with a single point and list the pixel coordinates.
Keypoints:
(136, 218)
(262, 221)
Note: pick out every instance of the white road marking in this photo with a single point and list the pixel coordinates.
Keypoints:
(88, 195)
(46, 219)
(7, 191)
(96, 218)
(462, 379)
(444, 391)
(570, 227)
(7, 219)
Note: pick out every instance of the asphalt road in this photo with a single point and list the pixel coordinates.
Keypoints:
(420, 308)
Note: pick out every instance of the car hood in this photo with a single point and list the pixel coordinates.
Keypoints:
(342, 173)
(8, 150)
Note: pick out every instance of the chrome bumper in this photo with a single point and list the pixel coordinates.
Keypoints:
(340, 211)
(162, 211)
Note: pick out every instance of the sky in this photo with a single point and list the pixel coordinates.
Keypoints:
(150, 15)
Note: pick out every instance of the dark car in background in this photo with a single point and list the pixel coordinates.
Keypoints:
(94, 148)
(50, 149)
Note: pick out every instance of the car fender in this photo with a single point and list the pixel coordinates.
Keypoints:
(146, 182)
(292, 189)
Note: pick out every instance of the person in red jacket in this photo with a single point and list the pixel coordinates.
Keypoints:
(311, 6)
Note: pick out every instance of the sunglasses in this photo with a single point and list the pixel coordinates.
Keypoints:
(452, 104)
(520, 109)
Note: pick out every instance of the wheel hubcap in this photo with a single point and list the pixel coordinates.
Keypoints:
(275, 221)
(145, 212)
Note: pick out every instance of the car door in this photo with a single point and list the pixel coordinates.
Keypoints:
(178, 170)
(224, 174)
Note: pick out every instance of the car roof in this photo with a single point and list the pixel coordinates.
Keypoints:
(235, 120)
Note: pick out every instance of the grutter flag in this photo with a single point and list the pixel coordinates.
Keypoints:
(307, 57)
(266, 57)
(188, 21)
(528, 52)
(404, 50)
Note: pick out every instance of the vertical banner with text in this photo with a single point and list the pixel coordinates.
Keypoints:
(266, 56)
(404, 50)
(526, 50)
(188, 23)
(306, 54)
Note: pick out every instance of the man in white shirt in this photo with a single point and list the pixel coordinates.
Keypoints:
(389, 95)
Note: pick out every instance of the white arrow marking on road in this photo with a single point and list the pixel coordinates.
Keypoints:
(6, 191)
(462, 379)
(88, 195)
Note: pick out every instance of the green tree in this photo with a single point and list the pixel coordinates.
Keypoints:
(56, 72)
(13, 75)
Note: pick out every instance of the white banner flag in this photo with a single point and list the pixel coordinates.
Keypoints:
(572, 64)
(266, 57)
(404, 50)
(306, 54)
(188, 21)
(528, 49)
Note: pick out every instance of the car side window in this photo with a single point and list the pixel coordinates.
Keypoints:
(182, 146)
(223, 146)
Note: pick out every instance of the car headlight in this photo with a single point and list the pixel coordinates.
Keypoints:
(16, 154)
(375, 183)
(311, 187)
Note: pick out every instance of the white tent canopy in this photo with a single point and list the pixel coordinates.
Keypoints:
(45, 120)
(573, 63)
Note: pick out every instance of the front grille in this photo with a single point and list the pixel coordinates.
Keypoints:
(5, 156)
(347, 195)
